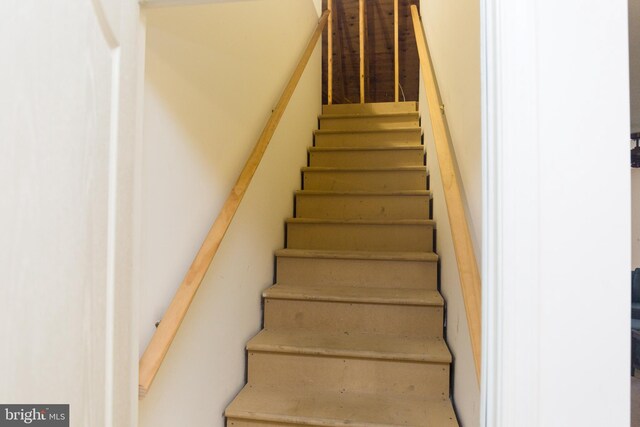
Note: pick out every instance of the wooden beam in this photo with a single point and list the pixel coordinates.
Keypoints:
(463, 247)
(167, 329)
(330, 54)
(396, 67)
(361, 27)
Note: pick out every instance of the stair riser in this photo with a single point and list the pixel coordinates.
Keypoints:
(366, 159)
(374, 237)
(357, 272)
(405, 379)
(342, 317)
(329, 206)
(368, 139)
(377, 108)
(369, 123)
(395, 180)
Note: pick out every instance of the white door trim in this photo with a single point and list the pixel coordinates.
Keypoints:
(556, 212)
(511, 246)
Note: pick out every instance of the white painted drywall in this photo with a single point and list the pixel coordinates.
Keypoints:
(634, 63)
(558, 213)
(213, 74)
(634, 89)
(448, 24)
(67, 136)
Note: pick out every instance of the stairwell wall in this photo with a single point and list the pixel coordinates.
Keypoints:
(67, 136)
(213, 74)
(448, 24)
(634, 63)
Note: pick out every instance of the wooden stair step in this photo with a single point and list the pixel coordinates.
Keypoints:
(412, 204)
(409, 155)
(368, 137)
(366, 193)
(365, 179)
(270, 406)
(414, 312)
(348, 360)
(413, 130)
(360, 255)
(348, 374)
(428, 222)
(369, 346)
(370, 108)
(357, 268)
(391, 296)
(366, 149)
(329, 169)
(360, 234)
(391, 120)
(400, 114)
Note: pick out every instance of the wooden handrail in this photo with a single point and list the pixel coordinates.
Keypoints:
(396, 64)
(465, 257)
(162, 338)
(330, 54)
(361, 41)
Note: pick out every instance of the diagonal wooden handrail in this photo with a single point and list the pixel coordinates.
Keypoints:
(163, 337)
(465, 256)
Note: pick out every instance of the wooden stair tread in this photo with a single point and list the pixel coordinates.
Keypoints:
(370, 107)
(415, 114)
(390, 148)
(361, 221)
(416, 129)
(311, 407)
(395, 296)
(364, 255)
(419, 168)
(369, 346)
(364, 193)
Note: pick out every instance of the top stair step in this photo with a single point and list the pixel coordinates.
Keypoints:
(371, 108)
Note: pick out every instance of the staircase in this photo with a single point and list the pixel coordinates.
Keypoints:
(353, 329)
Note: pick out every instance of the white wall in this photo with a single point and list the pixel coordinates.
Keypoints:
(448, 24)
(634, 63)
(557, 213)
(634, 89)
(67, 136)
(213, 74)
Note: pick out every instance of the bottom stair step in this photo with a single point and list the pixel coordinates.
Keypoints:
(261, 407)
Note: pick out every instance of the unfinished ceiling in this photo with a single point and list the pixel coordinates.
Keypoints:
(379, 49)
